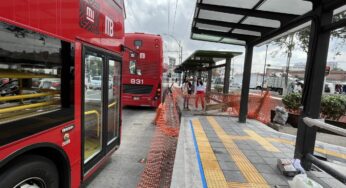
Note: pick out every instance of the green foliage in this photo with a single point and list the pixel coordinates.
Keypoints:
(292, 102)
(301, 38)
(333, 106)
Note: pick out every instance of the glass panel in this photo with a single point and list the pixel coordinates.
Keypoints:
(333, 107)
(93, 107)
(206, 37)
(34, 69)
(246, 32)
(339, 14)
(212, 27)
(232, 41)
(113, 100)
(298, 7)
(132, 67)
(220, 16)
(234, 3)
(262, 22)
(138, 43)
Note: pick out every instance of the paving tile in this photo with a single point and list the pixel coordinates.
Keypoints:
(256, 160)
(223, 157)
(286, 150)
(249, 153)
(265, 153)
(220, 151)
(231, 132)
(264, 168)
(279, 155)
(234, 176)
(274, 179)
(244, 147)
(257, 147)
(210, 133)
(214, 139)
(217, 144)
(270, 160)
(228, 165)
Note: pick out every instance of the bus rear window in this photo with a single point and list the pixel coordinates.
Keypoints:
(36, 74)
(138, 43)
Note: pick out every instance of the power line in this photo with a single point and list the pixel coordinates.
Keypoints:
(134, 15)
(175, 13)
(169, 10)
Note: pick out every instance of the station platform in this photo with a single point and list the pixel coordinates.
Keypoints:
(217, 151)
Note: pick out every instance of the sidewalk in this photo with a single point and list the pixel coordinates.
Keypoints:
(215, 151)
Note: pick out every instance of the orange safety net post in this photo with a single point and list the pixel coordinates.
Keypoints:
(160, 159)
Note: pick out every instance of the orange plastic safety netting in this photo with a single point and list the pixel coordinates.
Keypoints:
(160, 159)
(259, 104)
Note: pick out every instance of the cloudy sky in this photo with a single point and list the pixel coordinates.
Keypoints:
(174, 17)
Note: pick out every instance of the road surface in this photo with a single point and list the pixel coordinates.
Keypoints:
(124, 168)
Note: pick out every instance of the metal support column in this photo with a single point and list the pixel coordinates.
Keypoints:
(199, 74)
(227, 75)
(313, 84)
(246, 84)
(210, 76)
(194, 79)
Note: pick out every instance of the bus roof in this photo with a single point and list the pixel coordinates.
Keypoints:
(143, 35)
(72, 19)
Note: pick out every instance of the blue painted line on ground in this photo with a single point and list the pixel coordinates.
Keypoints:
(201, 171)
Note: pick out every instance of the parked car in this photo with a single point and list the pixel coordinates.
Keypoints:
(36, 82)
(95, 82)
(50, 83)
(9, 87)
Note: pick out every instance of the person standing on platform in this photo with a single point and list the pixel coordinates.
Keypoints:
(187, 90)
(200, 93)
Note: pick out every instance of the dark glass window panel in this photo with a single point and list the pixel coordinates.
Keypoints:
(36, 80)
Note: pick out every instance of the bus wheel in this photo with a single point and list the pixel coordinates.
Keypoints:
(30, 171)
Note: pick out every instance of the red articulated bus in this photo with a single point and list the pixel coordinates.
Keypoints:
(142, 70)
(56, 131)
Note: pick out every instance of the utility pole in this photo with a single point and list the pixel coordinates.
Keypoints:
(265, 64)
(180, 52)
(289, 56)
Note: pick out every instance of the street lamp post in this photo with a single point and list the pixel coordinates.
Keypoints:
(180, 51)
(265, 64)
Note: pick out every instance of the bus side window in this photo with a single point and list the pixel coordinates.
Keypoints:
(41, 85)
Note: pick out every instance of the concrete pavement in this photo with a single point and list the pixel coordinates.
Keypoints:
(230, 154)
(124, 168)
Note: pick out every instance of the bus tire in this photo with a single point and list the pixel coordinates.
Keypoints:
(280, 91)
(30, 170)
(259, 88)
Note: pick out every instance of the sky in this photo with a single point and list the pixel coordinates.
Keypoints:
(172, 19)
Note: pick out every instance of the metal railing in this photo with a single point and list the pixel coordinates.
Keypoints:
(314, 160)
(317, 123)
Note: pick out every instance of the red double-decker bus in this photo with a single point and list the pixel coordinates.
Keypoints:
(56, 130)
(142, 70)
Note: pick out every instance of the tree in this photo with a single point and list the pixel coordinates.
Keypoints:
(302, 38)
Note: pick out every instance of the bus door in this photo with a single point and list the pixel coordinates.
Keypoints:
(100, 105)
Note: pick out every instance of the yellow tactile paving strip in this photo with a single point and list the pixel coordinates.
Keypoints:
(245, 185)
(317, 149)
(254, 178)
(212, 170)
(262, 141)
(284, 141)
